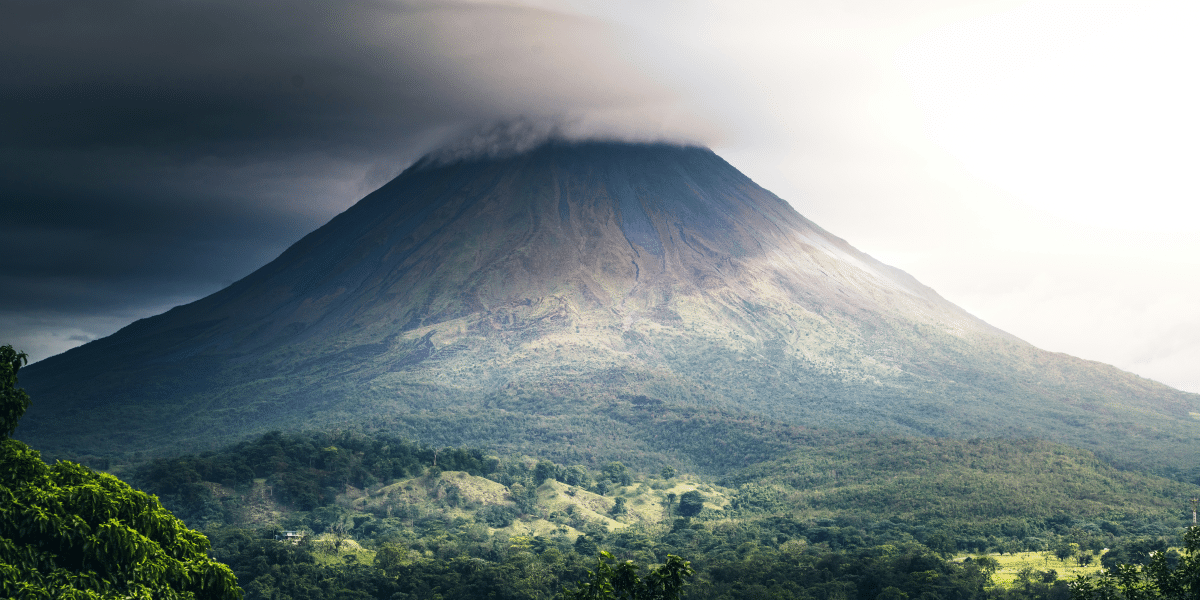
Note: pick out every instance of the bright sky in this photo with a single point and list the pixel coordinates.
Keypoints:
(1082, 116)
(1034, 162)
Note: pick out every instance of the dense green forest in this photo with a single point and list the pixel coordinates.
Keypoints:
(979, 488)
(854, 517)
(641, 432)
(346, 515)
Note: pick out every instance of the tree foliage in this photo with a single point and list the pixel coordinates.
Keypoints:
(67, 531)
(1014, 489)
(1168, 575)
(13, 400)
(622, 582)
(418, 539)
(305, 470)
(690, 503)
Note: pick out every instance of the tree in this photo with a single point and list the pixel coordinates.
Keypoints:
(1135, 552)
(13, 400)
(1064, 551)
(69, 532)
(586, 545)
(940, 542)
(1167, 576)
(891, 593)
(543, 471)
(390, 557)
(691, 503)
(622, 582)
(618, 507)
(617, 473)
(987, 565)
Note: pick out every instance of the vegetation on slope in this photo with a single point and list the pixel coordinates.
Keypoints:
(804, 525)
(1008, 488)
(69, 532)
(1167, 575)
(348, 515)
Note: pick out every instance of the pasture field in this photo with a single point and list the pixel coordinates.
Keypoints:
(1011, 566)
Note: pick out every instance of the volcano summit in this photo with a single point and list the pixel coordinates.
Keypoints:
(581, 296)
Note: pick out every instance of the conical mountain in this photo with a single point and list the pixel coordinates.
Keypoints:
(576, 293)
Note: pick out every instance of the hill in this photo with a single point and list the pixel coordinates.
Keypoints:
(860, 510)
(535, 300)
(992, 487)
(1027, 492)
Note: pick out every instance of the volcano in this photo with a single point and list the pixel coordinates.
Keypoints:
(576, 297)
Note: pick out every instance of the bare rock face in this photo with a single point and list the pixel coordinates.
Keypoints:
(524, 300)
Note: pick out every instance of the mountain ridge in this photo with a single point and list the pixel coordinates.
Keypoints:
(583, 272)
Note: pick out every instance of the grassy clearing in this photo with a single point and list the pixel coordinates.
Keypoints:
(331, 550)
(1011, 566)
(565, 510)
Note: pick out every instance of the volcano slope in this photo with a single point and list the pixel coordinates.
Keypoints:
(586, 299)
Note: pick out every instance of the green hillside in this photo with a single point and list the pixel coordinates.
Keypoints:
(1006, 488)
(982, 493)
(383, 515)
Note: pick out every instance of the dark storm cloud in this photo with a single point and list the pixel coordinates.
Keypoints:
(155, 150)
(197, 78)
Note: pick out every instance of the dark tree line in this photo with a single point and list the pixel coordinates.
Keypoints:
(305, 470)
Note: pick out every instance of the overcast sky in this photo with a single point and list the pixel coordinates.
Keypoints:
(1034, 162)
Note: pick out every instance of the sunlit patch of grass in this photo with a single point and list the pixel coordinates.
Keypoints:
(330, 550)
(1011, 566)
